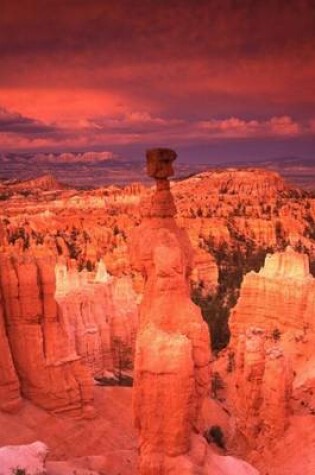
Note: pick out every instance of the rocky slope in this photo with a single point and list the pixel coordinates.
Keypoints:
(42, 183)
(283, 295)
(56, 332)
(245, 206)
(232, 217)
(104, 445)
(268, 366)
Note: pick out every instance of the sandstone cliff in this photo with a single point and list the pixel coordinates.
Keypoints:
(278, 298)
(48, 374)
(9, 384)
(269, 378)
(100, 316)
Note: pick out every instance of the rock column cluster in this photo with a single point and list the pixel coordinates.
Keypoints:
(272, 339)
(100, 317)
(248, 380)
(262, 389)
(34, 341)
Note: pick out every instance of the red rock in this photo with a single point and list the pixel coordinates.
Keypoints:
(100, 316)
(10, 399)
(48, 374)
(205, 272)
(173, 351)
(278, 297)
(272, 341)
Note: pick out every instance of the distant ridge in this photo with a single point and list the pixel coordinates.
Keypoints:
(299, 171)
(45, 183)
(94, 171)
(264, 183)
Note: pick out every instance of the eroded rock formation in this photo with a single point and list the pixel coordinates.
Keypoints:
(271, 348)
(261, 389)
(172, 351)
(9, 384)
(49, 375)
(279, 298)
(205, 272)
(172, 371)
(100, 315)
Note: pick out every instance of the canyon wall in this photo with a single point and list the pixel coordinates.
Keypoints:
(48, 374)
(271, 349)
(100, 316)
(281, 295)
(260, 389)
(9, 383)
(60, 327)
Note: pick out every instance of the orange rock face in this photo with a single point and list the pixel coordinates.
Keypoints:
(9, 384)
(279, 297)
(205, 272)
(172, 351)
(48, 374)
(100, 316)
(271, 351)
(261, 389)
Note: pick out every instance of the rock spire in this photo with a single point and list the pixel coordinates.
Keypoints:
(172, 373)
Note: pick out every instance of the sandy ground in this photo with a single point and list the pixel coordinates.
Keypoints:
(109, 437)
(107, 444)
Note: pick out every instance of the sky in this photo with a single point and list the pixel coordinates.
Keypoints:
(214, 79)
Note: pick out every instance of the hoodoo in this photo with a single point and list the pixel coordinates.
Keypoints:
(272, 341)
(172, 361)
(172, 349)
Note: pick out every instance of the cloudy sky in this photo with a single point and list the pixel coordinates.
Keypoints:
(215, 79)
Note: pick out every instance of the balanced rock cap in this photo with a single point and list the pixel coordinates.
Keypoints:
(160, 162)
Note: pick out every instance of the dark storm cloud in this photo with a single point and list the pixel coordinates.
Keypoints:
(157, 28)
(219, 56)
(15, 123)
(196, 70)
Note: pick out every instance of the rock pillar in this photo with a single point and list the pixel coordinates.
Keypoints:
(172, 375)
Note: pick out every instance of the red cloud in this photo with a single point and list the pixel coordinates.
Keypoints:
(136, 126)
(238, 128)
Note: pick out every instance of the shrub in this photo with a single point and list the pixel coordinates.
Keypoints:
(276, 334)
(231, 362)
(215, 314)
(19, 471)
(215, 434)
